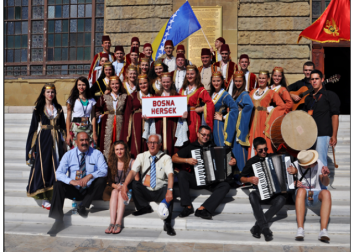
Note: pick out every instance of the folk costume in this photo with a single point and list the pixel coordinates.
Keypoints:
(123, 72)
(118, 66)
(217, 56)
(100, 86)
(126, 84)
(264, 114)
(251, 78)
(141, 55)
(206, 72)
(178, 75)
(46, 138)
(283, 93)
(111, 109)
(170, 63)
(95, 75)
(98, 56)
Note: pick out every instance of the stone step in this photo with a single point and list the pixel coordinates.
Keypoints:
(182, 236)
(221, 222)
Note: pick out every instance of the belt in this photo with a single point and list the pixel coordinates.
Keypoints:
(98, 94)
(260, 108)
(50, 127)
(190, 108)
(137, 111)
(81, 119)
(112, 112)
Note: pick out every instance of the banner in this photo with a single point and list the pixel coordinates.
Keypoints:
(164, 106)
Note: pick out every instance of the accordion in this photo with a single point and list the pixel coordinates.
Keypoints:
(213, 164)
(273, 176)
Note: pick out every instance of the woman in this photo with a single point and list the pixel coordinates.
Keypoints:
(45, 146)
(144, 66)
(119, 165)
(99, 87)
(80, 106)
(278, 84)
(197, 94)
(172, 129)
(264, 114)
(130, 81)
(225, 112)
(155, 74)
(135, 128)
(245, 107)
(111, 109)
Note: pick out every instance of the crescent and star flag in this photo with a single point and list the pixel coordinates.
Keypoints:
(332, 26)
(182, 24)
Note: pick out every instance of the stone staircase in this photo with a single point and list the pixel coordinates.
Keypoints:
(230, 225)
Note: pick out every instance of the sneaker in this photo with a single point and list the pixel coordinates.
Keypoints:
(300, 234)
(323, 236)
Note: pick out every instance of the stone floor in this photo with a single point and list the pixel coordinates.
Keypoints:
(29, 243)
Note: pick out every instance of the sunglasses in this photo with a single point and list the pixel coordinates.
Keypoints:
(261, 150)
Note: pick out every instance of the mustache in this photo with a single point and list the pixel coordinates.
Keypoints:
(84, 145)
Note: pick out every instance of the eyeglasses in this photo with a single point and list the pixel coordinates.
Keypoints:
(153, 143)
(205, 135)
(264, 149)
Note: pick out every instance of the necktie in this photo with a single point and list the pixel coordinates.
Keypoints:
(153, 173)
(83, 168)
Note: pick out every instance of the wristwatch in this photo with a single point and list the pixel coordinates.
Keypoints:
(170, 189)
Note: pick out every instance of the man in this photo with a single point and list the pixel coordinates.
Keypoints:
(179, 74)
(98, 69)
(106, 44)
(180, 49)
(170, 60)
(134, 43)
(134, 60)
(251, 78)
(186, 179)
(119, 63)
(217, 53)
(324, 106)
(308, 67)
(226, 66)
(86, 180)
(148, 53)
(277, 201)
(309, 193)
(156, 183)
(207, 69)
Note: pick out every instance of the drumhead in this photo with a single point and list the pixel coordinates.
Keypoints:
(299, 130)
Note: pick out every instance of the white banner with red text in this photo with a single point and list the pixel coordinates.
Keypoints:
(164, 106)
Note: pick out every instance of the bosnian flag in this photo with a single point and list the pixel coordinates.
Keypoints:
(182, 24)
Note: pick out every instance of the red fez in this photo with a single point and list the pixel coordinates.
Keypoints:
(225, 47)
(221, 39)
(147, 45)
(135, 39)
(134, 49)
(168, 42)
(180, 47)
(206, 51)
(244, 56)
(180, 55)
(105, 38)
(104, 55)
(119, 48)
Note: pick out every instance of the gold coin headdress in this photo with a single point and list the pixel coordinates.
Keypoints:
(239, 74)
(49, 86)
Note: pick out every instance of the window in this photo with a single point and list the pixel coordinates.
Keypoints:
(51, 37)
(318, 7)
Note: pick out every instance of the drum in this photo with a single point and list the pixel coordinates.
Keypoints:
(297, 130)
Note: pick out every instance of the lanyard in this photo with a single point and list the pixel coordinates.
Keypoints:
(84, 108)
(303, 176)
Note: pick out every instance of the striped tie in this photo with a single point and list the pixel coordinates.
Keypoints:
(83, 166)
(153, 173)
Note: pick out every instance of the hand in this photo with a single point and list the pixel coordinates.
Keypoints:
(218, 116)
(118, 187)
(325, 171)
(185, 115)
(107, 91)
(191, 161)
(124, 191)
(291, 170)
(298, 184)
(145, 118)
(211, 50)
(232, 161)
(95, 138)
(333, 141)
(169, 196)
(295, 97)
(34, 154)
(85, 180)
(199, 110)
(69, 139)
(75, 182)
(254, 180)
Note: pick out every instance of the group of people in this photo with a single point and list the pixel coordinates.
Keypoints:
(107, 146)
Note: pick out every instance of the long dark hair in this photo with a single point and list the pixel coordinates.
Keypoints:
(236, 92)
(113, 160)
(282, 82)
(212, 88)
(40, 102)
(152, 74)
(103, 75)
(74, 94)
(198, 81)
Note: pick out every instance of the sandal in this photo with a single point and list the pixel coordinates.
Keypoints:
(110, 229)
(116, 226)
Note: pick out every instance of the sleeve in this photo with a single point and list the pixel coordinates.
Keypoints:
(168, 165)
(93, 65)
(32, 135)
(279, 110)
(334, 103)
(99, 106)
(247, 170)
(306, 104)
(94, 89)
(230, 120)
(127, 120)
(62, 123)
(185, 152)
(63, 168)
(285, 95)
(209, 108)
(101, 165)
(293, 87)
(243, 119)
(138, 162)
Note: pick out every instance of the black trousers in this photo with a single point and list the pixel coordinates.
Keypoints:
(62, 191)
(187, 180)
(276, 203)
(142, 196)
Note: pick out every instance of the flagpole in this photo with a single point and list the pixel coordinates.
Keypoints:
(206, 39)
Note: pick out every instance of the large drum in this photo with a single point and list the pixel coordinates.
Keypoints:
(297, 130)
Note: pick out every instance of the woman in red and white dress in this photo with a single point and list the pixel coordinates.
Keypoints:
(279, 85)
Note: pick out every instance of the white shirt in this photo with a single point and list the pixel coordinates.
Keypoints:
(312, 176)
(275, 88)
(118, 66)
(247, 84)
(127, 86)
(81, 110)
(219, 56)
(171, 63)
(187, 91)
(216, 95)
(115, 101)
(141, 94)
(180, 75)
(158, 84)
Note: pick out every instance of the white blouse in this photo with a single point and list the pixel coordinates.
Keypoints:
(81, 110)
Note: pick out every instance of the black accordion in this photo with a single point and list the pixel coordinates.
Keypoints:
(213, 164)
(273, 176)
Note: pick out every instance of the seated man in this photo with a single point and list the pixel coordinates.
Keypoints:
(186, 179)
(310, 173)
(88, 164)
(276, 201)
(156, 181)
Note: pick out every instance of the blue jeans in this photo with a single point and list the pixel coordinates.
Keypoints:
(321, 146)
(313, 202)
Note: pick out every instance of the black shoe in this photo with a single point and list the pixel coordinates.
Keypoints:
(82, 211)
(204, 214)
(268, 235)
(169, 229)
(256, 231)
(186, 211)
(143, 211)
(56, 228)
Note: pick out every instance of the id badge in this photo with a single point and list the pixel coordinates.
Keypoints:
(84, 120)
(78, 175)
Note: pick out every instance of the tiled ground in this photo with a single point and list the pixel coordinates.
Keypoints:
(29, 243)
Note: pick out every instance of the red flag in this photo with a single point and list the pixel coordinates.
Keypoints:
(332, 26)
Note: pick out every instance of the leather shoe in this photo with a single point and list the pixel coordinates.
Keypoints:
(186, 211)
(143, 211)
(204, 214)
(56, 228)
(268, 235)
(82, 211)
(256, 231)
(169, 229)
